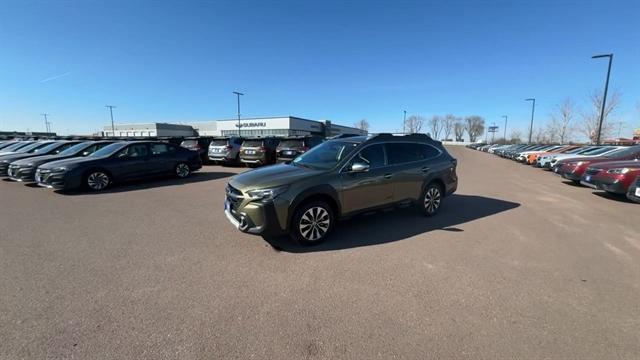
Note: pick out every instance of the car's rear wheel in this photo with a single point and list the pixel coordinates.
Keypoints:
(312, 222)
(431, 199)
(183, 170)
(97, 180)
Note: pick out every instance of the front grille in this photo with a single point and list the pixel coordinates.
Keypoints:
(592, 171)
(234, 196)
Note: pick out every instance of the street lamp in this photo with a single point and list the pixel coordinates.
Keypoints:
(113, 128)
(238, 94)
(604, 97)
(533, 109)
(46, 122)
(404, 123)
(505, 128)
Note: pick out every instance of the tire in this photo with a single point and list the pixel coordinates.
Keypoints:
(311, 223)
(431, 199)
(97, 180)
(182, 170)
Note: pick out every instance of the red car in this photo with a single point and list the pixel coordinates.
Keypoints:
(614, 177)
(574, 168)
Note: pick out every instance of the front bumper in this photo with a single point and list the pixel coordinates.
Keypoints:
(255, 218)
(634, 193)
(56, 180)
(21, 174)
(609, 185)
(3, 169)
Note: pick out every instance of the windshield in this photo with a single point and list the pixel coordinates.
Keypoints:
(623, 152)
(108, 150)
(596, 150)
(74, 149)
(574, 151)
(325, 156)
(46, 149)
(30, 148)
(189, 143)
(291, 143)
(252, 143)
(16, 146)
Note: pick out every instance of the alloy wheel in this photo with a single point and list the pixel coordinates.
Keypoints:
(432, 199)
(314, 223)
(97, 180)
(182, 170)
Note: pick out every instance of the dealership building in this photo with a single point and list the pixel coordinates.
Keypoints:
(265, 126)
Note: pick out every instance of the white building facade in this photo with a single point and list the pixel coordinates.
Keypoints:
(248, 127)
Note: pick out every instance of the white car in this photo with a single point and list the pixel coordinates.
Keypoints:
(225, 149)
(594, 151)
(523, 155)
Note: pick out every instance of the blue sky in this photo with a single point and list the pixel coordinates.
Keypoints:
(180, 60)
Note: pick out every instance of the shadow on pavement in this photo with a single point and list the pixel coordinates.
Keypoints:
(196, 177)
(386, 227)
(614, 197)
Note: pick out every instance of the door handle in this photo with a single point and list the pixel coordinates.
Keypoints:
(425, 169)
(388, 176)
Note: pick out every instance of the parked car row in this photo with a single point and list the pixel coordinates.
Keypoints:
(614, 169)
(254, 151)
(94, 165)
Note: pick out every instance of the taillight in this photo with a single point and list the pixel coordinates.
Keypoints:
(304, 149)
(262, 148)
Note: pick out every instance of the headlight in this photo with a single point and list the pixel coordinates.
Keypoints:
(59, 169)
(579, 163)
(266, 195)
(619, 171)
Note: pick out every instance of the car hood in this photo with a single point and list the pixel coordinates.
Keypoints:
(72, 162)
(618, 164)
(39, 160)
(270, 176)
(18, 156)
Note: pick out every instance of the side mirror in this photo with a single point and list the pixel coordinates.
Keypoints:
(359, 167)
(86, 153)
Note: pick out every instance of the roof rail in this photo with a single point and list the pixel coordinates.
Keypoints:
(343, 136)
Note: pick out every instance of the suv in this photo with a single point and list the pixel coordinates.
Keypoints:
(225, 149)
(259, 151)
(337, 179)
(199, 144)
(291, 147)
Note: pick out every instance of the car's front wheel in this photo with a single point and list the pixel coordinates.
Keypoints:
(183, 170)
(431, 199)
(311, 223)
(97, 180)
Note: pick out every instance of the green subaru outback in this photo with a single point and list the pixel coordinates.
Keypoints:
(338, 179)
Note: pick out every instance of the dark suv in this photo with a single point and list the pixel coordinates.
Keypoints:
(259, 151)
(337, 179)
(291, 147)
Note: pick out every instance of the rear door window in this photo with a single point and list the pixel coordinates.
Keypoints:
(400, 153)
(159, 149)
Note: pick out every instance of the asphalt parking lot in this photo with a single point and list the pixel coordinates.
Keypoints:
(518, 264)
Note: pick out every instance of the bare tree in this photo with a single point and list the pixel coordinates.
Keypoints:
(516, 136)
(362, 124)
(458, 129)
(435, 125)
(561, 128)
(447, 125)
(540, 136)
(414, 124)
(474, 125)
(591, 116)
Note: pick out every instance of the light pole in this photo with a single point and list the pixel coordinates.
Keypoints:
(533, 109)
(46, 122)
(404, 123)
(505, 128)
(238, 94)
(113, 128)
(604, 97)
